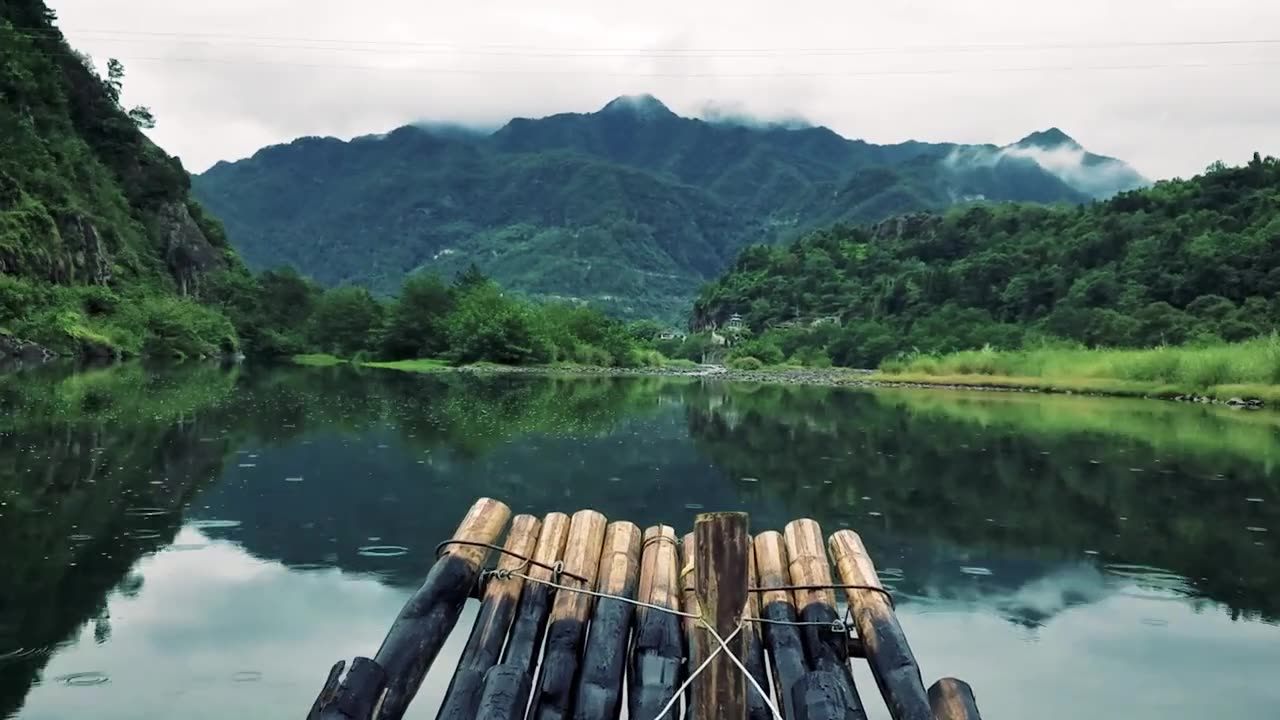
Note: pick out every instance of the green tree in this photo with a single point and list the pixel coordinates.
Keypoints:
(488, 325)
(417, 320)
(345, 321)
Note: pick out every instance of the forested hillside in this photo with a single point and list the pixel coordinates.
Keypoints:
(102, 250)
(631, 207)
(1183, 261)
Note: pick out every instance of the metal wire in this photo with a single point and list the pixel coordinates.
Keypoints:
(556, 569)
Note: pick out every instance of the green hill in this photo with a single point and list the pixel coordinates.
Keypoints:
(102, 249)
(631, 207)
(1182, 261)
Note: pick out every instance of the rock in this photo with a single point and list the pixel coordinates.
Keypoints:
(1236, 402)
(188, 253)
(24, 350)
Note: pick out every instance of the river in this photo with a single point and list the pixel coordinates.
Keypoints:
(203, 542)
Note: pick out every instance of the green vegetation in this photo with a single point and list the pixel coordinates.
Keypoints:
(432, 324)
(102, 250)
(629, 208)
(1184, 262)
(1241, 370)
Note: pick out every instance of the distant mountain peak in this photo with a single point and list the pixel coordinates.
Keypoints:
(644, 105)
(1051, 138)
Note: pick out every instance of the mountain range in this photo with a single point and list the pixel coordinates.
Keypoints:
(631, 207)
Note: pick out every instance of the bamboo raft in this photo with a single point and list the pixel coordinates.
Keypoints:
(580, 616)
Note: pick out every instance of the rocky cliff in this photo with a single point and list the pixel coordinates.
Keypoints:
(98, 234)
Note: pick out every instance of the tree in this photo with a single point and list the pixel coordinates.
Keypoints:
(416, 322)
(115, 79)
(142, 117)
(345, 320)
(486, 325)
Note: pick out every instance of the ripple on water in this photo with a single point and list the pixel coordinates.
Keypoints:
(977, 571)
(310, 567)
(145, 511)
(382, 550)
(213, 524)
(15, 655)
(246, 676)
(79, 537)
(83, 679)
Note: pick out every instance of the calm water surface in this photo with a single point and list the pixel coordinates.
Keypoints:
(203, 543)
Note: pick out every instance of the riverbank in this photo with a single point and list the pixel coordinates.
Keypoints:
(1236, 373)
(931, 376)
(777, 375)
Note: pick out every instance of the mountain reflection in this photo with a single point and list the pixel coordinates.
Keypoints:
(1018, 507)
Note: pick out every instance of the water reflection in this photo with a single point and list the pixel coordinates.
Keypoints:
(203, 540)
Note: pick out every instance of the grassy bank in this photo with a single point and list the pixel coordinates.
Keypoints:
(1249, 370)
(429, 365)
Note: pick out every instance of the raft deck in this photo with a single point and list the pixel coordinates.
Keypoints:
(580, 616)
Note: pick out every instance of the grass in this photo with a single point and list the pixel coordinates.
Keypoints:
(1248, 370)
(423, 365)
(318, 360)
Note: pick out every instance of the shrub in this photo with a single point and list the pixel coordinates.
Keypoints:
(746, 363)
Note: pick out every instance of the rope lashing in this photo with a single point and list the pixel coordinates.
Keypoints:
(556, 569)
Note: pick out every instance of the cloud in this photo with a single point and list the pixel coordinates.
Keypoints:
(227, 78)
(1091, 174)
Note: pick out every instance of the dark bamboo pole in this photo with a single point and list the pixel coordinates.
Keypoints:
(823, 695)
(753, 646)
(658, 646)
(786, 648)
(604, 660)
(570, 614)
(689, 603)
(810, 567)
(426, 620)
(884, 642)
(484, 646)
(506, 686)
(952, 699)
(720, 569)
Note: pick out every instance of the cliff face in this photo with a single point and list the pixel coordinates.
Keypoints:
(96, 223)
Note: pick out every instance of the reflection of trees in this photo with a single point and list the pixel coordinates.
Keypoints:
(1000, 484)
(94, 470)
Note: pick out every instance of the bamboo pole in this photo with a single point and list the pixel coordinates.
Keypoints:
(569, 617)
(823, 695)
(952, 699)
(658, 649)
(884, 642)
(753, 645)
(786, 648)
(689, 603)
(809, 567)
(426, 620)
(484, 646)
(720, 569)
(604, 660)
(506, 686)
(355, 697)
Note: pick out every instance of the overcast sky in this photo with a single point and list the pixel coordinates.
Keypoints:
(1168, 85)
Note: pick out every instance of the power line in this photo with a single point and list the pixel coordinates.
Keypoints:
(589, 71)
(504, 49)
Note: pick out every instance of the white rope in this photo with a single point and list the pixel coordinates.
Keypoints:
(593, 593)
(724, 645)
(722, 642)
(689, 680)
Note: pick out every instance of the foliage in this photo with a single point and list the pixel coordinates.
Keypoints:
(628, 211)
(1186, 261)
(345, 321)
(88, 207)
(746, 363)
(1224, 371)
